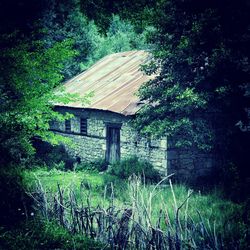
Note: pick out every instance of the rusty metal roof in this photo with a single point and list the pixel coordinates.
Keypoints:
(114, 81)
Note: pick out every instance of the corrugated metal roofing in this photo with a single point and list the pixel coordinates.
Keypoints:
(114, 81)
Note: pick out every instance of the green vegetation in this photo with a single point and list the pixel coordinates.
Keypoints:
(139, 12)
(61, 44)
(201, 49)
(202, 87)
(91, 181)
(65, 21)
(30, 74)
(13, 196)
(143, 169)
(202, 71)
(97, 189)
(98, 165)
(39, 234)
(213, 208)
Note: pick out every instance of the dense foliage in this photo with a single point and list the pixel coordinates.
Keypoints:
(202, 86)
(203, 68)
(64, 20)
(133, 166)
(97, 165)
(14, 201)
(139, 12)
(29, 75)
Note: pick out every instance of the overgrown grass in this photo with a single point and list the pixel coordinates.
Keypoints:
(215, 210)
(38, 234)
(99, 185)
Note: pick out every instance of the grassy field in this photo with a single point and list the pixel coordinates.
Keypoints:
(224, 220)
(98, 187)
(43, 235)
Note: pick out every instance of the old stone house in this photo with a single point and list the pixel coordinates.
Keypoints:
(102, 130)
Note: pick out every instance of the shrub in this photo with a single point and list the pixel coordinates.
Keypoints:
(99, 165)
(53, 156)
(14, 200)
(130, 166)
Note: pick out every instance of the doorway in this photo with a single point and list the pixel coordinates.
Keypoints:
(113, 142)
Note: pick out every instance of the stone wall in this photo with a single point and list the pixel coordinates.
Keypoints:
(92, 146)
(187, 165)
(190, 165)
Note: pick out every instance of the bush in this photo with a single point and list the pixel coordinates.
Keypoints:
(130, 166)
(53, 156)
(99, 165)
(14, 200)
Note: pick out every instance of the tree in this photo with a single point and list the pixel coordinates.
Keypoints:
(29, 75)
(138, 12)
(202, 61)
(203, 67)
(120, 36)
(64, 20)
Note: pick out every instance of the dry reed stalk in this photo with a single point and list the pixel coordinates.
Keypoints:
(131, 227)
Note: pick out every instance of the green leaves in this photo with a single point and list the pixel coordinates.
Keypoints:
(60, 22)
(120, 36)
(203, 71)
(31, 73)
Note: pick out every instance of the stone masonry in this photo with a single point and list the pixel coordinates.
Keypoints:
(92, 147)
(187, 165)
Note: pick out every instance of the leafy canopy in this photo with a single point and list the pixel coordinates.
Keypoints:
(64, 20)
(202, 68)
(29, 75)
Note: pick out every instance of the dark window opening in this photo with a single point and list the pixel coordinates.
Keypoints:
(67, 126)
(83, 126)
